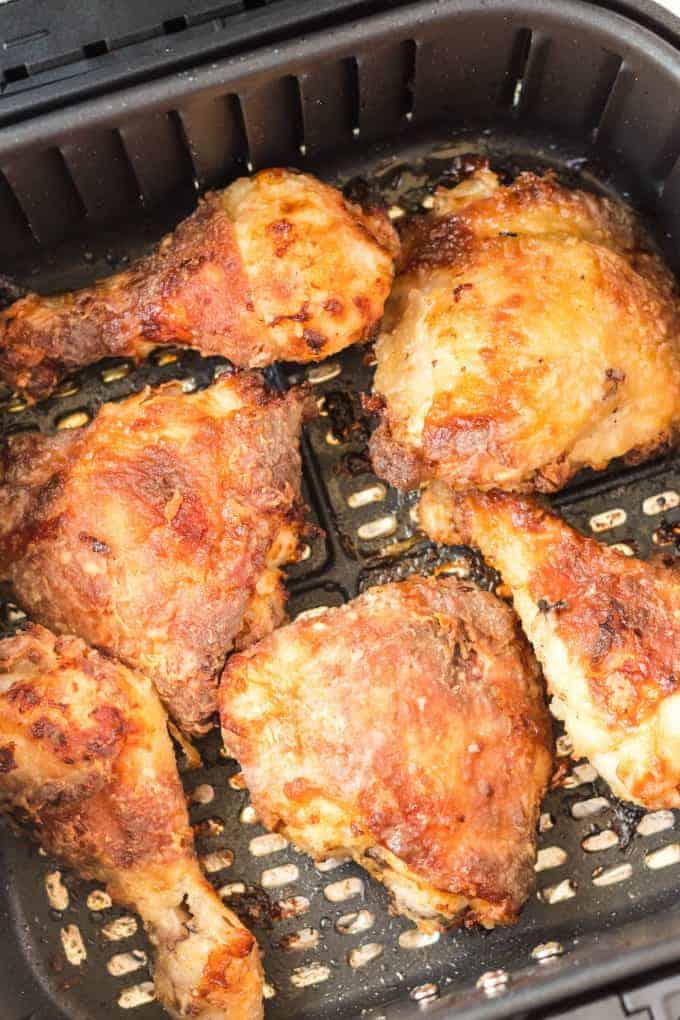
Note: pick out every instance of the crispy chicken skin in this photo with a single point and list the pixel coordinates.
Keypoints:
(529, 334)
(408, 729)
(87, 763)
(277, 266)
(605, 627)
(156, 532)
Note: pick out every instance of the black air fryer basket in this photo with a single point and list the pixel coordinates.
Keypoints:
(103, 146)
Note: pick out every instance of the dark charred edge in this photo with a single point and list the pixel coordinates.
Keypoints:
(10, 291)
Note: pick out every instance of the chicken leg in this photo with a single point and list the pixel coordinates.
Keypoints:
(276, 267)
(605, 627)
(86, 761)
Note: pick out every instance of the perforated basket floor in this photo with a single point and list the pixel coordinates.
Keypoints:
(331, 947)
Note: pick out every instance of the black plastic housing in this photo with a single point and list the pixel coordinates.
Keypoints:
(95, 164)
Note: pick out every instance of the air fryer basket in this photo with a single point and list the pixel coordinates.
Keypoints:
(397, 98)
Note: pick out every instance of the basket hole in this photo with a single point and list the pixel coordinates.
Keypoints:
(120, 928)
(664, 857)
(299, 941)
(355, 923)
(290, 906)
(163, 357)
(423, 993)
(345, 889)
(312, 974)
(579, 775)
(323, 373)
(248, 815)
(269, 843)
(284, 874)
(454, 568)
(666, 534)
(331, 863)
(237, 781)
(590, 807)
(550, 857)
(115, 373)
(75, 420)
(564, 746)
(599, 841)
(363, 955)
(57, 893)
(126, 963)
(547, 951)
(493, 982)
(66, 389)
(415, 939)
(209, 828)
(13, 614)
(99, 900)
(623, 548)
(545, 822)
(203, 794)
(73, 945)
(611, 876)
(136, 995)
(225, 892)
(608, 519)
(371, 494)
(219, 860)
(564, 890)
(380, 528)
(655, 821)
(663, 501)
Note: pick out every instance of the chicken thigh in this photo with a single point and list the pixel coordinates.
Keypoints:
(605, 628)
(156, 532)
(87, 763)
(407, 728)
(276, 267)
(530, 333)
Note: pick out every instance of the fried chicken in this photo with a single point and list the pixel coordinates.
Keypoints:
(87, 763)
(408, 729)
(530, 333)
(276, 267)
(605, 627)
(156, 532)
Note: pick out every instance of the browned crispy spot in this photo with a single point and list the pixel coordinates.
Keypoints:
(333, 306)
(7, 762)
(314, 340)
(283, 234)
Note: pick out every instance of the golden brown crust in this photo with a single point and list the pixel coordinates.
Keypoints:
(606, 628)
(529, 334)
(408, 728)
(149, 531)
(279, 266)
(94, 776)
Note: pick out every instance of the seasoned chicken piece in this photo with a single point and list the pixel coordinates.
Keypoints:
(408, 729)
(87, 763)
(157, 532)
(277, 266)
(529, 334)
(606, 629)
